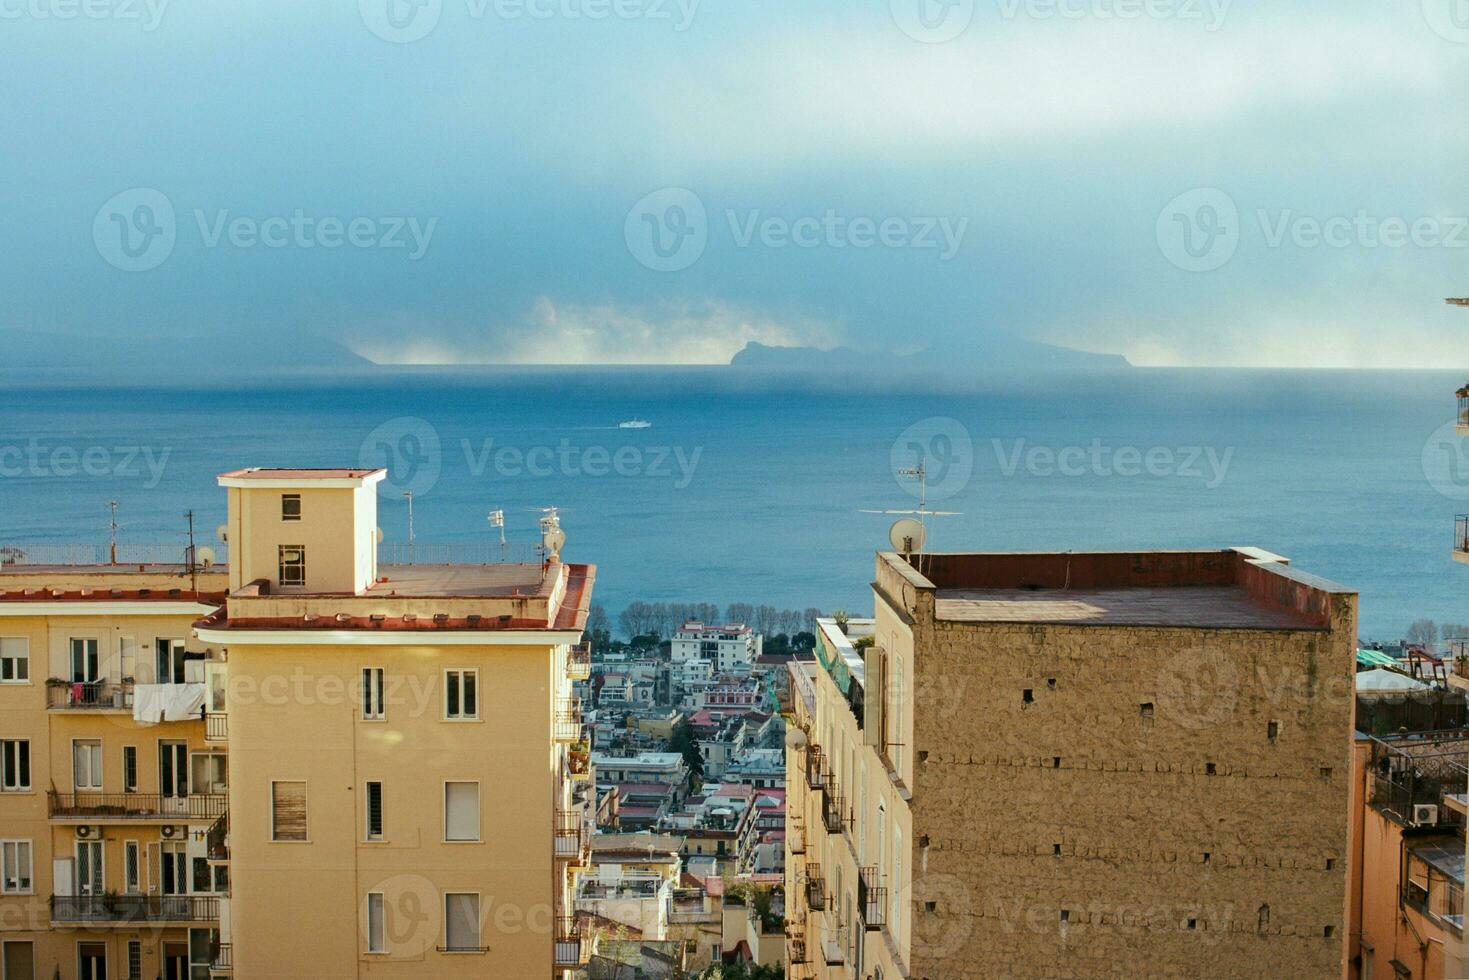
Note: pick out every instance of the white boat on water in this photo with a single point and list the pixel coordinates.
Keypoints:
(635, 424)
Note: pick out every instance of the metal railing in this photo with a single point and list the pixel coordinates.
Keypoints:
(216, 726)
(1412, 773)
(571, 836)
(871, 898)
(815, 774)
(815, 887)
(570, 950)
(103, 695)
(456, 553)
(135, 806)
(217, 840)
(224, 958)
(101, 554)
(1463, 407)
(579, 662)
(566, 721)
(134, 908)
(1461, 532)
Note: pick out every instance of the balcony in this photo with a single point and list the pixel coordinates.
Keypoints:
(572, 838)
(1462, 424)
(579, 762)
(579, 662)
(63, 695)
(796, 948)
(815, 887)
(131, 909)
(216, 726)
(833, 945)
(224, 959)
(566, 720)
(570, 952)
(1461, 538)
(815, 773)
(217, 840)
(872, 898)
(106, 807)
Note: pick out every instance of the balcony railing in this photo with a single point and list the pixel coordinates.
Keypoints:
(216, 726)
(815, 773)
(1463, 396)
(872, 898)
(217, 840)
(579, 662)
(815, 887)
(101, 695)
(224, 958)
(566, 723)
(134, 908)
(572, 837)
(796, 948)
(570, 949)
(135, 806)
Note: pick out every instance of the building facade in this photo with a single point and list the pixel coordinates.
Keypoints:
(1075, 764)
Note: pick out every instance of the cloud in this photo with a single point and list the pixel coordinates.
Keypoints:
(570, 333)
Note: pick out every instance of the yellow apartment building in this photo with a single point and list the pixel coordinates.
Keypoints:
(408, 790)
(1075, 765)
(110, 778)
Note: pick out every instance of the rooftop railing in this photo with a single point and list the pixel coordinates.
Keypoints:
(19, 555)
(1410, 774)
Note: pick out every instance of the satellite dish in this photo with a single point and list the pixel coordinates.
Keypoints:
(907, 535)
(552, 541)
(379, 535)
(795, 739)
(206, 556)
(222, 533)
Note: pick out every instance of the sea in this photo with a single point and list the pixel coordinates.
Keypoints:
(756, 488)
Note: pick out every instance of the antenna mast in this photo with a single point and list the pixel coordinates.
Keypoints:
(193, 569)
(112, 533)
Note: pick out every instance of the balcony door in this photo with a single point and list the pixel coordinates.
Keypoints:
(169, 661)
(89, 878)
(84, 661)
(175, 961)
(92, 961)
(174, 874)
(173, 769)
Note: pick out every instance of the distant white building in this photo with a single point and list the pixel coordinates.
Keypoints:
(732, 647)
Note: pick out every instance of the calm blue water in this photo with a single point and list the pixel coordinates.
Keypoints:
(763, 503)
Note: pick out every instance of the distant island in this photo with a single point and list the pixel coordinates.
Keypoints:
(989, 353)
(228, 351)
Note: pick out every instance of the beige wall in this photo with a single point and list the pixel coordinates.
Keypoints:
(298, 908)
(338, 528)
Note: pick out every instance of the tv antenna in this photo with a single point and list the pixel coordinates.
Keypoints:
(552, 537)
(112, 533)
(497, 520)
(907, 535)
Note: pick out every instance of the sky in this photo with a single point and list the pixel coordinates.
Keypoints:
(1185, 182)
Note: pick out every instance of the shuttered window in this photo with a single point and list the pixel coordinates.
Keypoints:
(288, 810)
(461, 811)
(376, 931)
(461, 921)
(374, 808)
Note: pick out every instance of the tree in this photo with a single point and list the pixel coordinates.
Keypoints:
(804, 641)
(1424, 631)
(811, 616)
(766, 619)
(739, 612)
(686, 744)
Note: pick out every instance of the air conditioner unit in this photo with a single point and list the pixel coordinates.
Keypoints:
(168, 832)
(88, 832)
(1425, 814)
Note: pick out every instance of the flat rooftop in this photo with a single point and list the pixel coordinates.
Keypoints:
(461, 580)
(1233, 588)
(299, 473)
(1188, 606)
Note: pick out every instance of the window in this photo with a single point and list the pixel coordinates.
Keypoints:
(19, 960)
(92, 961)
(86, 764)
(376, 940)
(129, 768)
(135, 960)
(288, 810)
(461, 811)
(461, 922)
(209, 773)
(15, 765)
(293, 565)
(131, 867)
(15, 867)
(374, 807)
(290, 506)
(15, 660)
(83, 661)
(372, 693)
(461, 694)
(168, 657)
